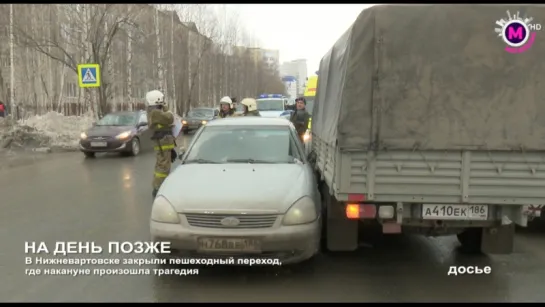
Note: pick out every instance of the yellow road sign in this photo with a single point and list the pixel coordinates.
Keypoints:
(89, 75)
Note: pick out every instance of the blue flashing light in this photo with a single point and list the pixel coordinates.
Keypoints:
(271, 96)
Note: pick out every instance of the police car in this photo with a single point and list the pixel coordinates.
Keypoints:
(273, 105)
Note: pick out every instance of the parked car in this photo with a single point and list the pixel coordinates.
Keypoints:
(124, 132)
(198, 117)
(244, 189)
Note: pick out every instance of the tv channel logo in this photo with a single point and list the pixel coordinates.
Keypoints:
(517, 32)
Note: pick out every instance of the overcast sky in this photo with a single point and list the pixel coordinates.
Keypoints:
(305, 31)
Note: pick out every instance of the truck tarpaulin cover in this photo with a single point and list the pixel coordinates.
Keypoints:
(432, 77)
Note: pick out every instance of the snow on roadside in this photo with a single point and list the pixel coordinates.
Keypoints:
(62, 131)
(52, 130)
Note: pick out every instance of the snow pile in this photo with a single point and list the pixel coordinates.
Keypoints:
(51, 130)
(62, 131)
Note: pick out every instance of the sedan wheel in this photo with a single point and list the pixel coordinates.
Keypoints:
(135, 147)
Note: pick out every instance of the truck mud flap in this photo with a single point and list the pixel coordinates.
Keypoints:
(498, 240)
(341, 233)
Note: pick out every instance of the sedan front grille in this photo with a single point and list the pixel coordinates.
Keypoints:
(244, 220)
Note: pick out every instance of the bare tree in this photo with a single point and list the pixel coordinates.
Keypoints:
(195, 53)
(90, 30)
(200, 44)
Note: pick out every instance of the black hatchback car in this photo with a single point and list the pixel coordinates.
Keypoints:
(124, 132)
(198, 117)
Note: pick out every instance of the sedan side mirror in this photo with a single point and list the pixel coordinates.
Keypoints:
(181, 153)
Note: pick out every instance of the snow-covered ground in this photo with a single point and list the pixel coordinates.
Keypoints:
(51, 130)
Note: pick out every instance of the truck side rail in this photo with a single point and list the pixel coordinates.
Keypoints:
(469, 176)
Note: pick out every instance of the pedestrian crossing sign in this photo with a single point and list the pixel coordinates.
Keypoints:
(89, 75)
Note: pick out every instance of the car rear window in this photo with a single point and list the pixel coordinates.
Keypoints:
(200, 113)
(119, 119)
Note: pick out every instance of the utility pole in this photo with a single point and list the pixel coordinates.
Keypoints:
(13, 107)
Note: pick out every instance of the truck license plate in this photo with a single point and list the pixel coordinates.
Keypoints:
(455, 212)
(99, 144)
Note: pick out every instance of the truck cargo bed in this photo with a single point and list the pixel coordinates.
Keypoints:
(464, 176)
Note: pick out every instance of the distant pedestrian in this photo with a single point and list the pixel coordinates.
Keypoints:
(2, 109)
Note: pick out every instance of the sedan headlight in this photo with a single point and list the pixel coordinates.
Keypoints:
(204, 122)
(83, 135)
(184, 122)
(123, 135)
(302, 212)
(163, 212)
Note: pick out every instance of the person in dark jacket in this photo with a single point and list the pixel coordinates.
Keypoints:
(300, 117)
(250, 107)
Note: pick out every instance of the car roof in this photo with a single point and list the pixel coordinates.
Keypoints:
(249, 121)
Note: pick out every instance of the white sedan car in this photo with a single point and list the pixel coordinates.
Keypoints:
(244, 189)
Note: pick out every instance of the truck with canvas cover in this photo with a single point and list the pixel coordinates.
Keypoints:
(424, 122)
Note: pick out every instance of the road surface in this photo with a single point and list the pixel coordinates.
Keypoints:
(108, 199)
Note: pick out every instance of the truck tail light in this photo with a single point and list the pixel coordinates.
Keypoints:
(353, 211)
(361, 211)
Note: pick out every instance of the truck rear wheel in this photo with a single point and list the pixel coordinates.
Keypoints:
(471, 240)
(341, 234)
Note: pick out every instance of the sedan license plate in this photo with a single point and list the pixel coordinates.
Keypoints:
(229, 245)
(455, 212)
(99, 144)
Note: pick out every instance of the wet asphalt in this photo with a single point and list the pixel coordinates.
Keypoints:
(69, 198)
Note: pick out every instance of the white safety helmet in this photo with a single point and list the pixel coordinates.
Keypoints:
(154, 98)
(226, 100)
(250, 103)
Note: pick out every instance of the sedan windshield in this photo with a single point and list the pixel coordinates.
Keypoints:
(200, 113)
(270, 105)
(244, 144)
(128, 119)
